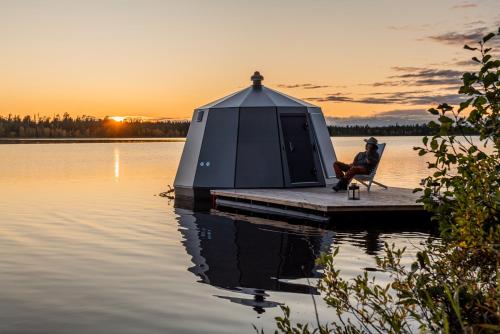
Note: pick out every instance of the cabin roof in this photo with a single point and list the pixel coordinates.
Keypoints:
(257, 95)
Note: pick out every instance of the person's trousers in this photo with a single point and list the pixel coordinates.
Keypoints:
(347, 172)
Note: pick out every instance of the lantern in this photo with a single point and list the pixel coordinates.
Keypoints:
(353, 191)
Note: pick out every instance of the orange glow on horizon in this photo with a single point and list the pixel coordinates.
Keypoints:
(117, 118)
(163, 59)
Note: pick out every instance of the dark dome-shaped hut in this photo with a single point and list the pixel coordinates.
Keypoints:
(255, 138)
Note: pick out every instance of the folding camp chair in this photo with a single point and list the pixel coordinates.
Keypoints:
(367, 180)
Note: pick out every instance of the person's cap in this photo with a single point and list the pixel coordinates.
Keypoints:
(371, 140)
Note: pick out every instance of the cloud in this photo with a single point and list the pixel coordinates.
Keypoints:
(417, 76)
(476, 23)
(389, 83)
(412, 99)
(333, 97)
(435, 99)
(385, 118)
(406, 68)
(454, 38)
(304, 86)
(415, 72)
(465, 63)
(465, 5)
(409, 27)
(470, 37)
(406, 98)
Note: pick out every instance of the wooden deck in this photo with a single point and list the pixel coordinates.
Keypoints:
(325, 200)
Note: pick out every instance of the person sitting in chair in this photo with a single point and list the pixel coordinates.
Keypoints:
(364, 163)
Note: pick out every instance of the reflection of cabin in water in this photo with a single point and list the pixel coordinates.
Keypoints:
(251, 258)
(254, 138)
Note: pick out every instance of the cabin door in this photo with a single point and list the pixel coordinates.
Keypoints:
(300, 153)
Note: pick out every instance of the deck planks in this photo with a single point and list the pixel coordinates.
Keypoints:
(323, 199)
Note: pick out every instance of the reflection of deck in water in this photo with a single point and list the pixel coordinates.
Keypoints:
(252, 258)
(317, 203)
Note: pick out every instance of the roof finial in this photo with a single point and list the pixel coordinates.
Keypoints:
(257, 79)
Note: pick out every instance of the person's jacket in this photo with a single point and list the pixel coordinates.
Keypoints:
(368, 159)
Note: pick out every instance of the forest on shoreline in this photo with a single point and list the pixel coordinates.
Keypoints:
(88, 127)
(92, 127)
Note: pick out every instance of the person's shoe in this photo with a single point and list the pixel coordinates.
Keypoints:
(341, 185)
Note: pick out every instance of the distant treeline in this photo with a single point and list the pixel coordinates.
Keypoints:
(390, 130)
(87, 127)
(90, 127)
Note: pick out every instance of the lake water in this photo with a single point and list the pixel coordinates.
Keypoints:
(88, 246)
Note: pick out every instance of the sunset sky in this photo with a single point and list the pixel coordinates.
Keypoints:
(162, 59)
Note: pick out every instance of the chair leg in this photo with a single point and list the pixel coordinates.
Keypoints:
(380, 184)
(363, 183)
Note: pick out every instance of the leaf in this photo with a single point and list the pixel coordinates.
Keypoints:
(488, 37)
(445, 119)
(473, 116)
(445, 107)
(469, 48)
(433, 111)
(480, 100)
(433, 125)
(437, 174)
(476, 60)
(336, 251)
(481, 156)
(464, 104)
(490, 78)
(469, 78)
(494, 63)
(452, 158)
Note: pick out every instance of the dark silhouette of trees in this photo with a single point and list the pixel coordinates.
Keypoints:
(87, 127)
(391, 130)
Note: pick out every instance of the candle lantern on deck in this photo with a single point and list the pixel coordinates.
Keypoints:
(353, 191)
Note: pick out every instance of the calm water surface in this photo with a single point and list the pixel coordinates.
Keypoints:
(87, 246)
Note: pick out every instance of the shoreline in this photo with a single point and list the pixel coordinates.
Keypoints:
(7, 141)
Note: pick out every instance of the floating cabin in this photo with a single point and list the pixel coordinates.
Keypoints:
(254, 138)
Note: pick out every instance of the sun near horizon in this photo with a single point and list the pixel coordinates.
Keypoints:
(118, 119)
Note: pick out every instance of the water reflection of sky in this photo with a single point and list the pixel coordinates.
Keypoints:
(84, 253)
(117, 164)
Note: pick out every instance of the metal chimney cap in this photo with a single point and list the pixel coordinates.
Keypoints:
(257, 79)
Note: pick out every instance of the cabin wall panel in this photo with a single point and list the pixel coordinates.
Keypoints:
(187, 166)
(258, 163)
(327, 152)
(216, 163)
